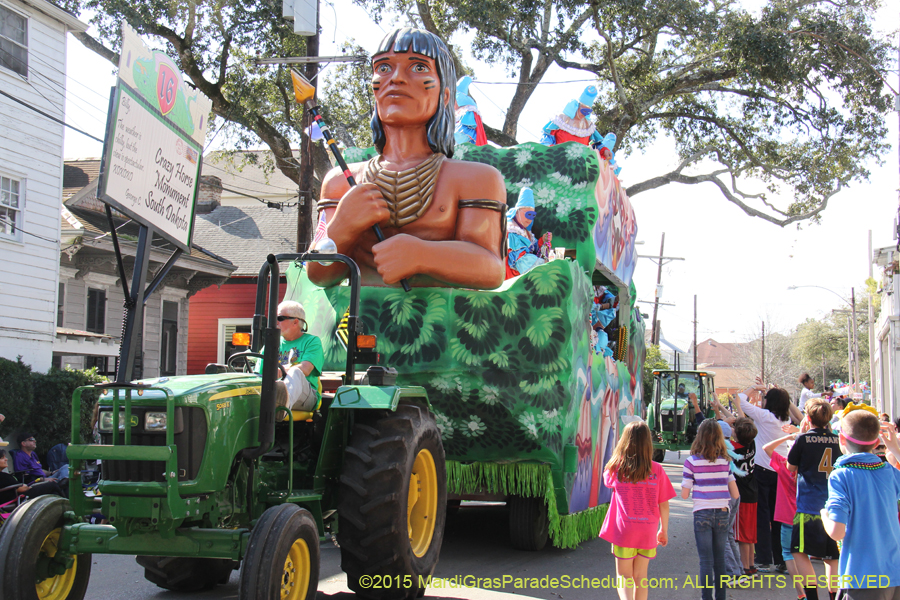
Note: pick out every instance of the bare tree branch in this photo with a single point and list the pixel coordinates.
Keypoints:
(732, 194)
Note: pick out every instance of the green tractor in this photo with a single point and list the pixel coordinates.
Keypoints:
(670, 414)
(202, 474)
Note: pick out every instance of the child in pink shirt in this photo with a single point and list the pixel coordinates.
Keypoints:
(638, 517)
(785, 504)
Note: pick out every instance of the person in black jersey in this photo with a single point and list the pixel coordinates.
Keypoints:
(812, 457)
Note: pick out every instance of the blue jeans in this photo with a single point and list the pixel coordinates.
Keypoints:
(733, 565)
(711, 534)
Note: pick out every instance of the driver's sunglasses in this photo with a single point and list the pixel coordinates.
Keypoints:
(285, 318)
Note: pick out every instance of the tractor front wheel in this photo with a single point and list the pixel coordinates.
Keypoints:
(282, 559)
(392, 504)
(32, 566)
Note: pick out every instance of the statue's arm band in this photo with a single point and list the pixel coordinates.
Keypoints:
(488, 204)
(323, 204)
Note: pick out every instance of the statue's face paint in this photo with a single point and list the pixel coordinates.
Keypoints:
(585, 111)
(406, 86)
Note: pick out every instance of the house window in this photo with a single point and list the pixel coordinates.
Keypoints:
(13, 41)
(231, 348)
(96, 311)
(10, 206)
(60, 305)
(168, 353)
(106, 365)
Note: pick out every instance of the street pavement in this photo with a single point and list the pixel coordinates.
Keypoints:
(475, 558)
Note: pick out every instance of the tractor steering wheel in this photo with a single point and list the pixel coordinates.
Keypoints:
(254, 355)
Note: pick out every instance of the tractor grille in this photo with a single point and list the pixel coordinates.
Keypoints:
(672, 423)
(190, 440)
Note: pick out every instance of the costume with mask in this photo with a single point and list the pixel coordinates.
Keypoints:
(572, 124)
(469, 128)
(525, 251)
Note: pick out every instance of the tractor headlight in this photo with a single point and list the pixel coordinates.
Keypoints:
(155, 421)
(106, 421)
(665, 412)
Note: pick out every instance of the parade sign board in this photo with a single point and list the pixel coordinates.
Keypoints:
(154, 142)
(151, 168)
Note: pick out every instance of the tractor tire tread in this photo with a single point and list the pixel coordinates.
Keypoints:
(373, 522)
(21, 539)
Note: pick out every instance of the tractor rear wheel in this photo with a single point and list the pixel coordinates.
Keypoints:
(181, 574)
(282, 559)
(529, 523)
(32, 567)
(392, 503)
(659, 455)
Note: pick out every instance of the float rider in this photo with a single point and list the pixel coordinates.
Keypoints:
(469, 128)
(572, 124)
(525, 250)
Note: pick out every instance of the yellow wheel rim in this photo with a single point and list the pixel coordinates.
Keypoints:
(295, 580)
(421, 508)
(56, 587)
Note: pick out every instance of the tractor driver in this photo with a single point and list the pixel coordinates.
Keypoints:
(302, 357)
(442, 218)
(681, 393)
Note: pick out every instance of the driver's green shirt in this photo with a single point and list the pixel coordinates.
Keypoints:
(308, 347)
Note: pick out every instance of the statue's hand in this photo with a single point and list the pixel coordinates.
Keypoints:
(395, 257)
(360, 208)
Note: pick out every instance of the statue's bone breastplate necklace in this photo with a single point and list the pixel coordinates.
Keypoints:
(408, 193)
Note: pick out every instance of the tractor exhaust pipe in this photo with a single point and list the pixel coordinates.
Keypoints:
(271, 342)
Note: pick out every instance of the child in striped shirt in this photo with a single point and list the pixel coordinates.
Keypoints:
(708, 474)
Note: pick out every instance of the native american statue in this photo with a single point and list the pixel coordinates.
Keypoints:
(442, 218)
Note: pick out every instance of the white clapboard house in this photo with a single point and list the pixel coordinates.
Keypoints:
(32, 96)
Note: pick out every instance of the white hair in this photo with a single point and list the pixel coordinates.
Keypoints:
(291, 308)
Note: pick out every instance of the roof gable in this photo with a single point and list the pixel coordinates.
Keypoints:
(245, 235)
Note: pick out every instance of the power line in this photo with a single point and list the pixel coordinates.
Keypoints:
(535, 83)
(93, 91)
(47, 80)
(51, 117)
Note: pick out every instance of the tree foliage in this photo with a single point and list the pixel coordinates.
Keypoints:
(653, 362)
(828, 338)
(779, 108)
(791, 95)
(781, 366)
(41, 403)
(347, 102)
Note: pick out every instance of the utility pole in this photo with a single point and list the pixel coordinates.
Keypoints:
(849, 342)
(849, 353)
(307, 162)
(695, 331)
(824, 380)
(855, 336)
(877, 401)
(654, 332)
(654, 335)
(763, 365)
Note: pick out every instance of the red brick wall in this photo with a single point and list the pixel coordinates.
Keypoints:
(236, 299)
